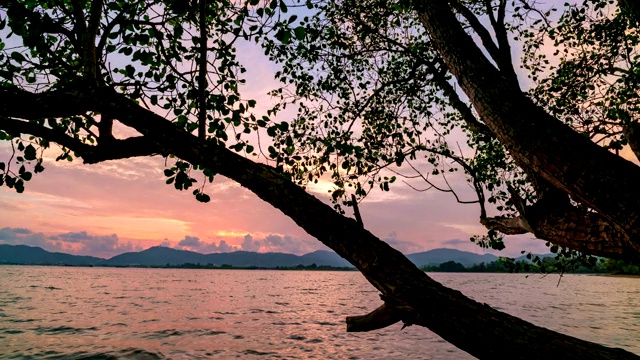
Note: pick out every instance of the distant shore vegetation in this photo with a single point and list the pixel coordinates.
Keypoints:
(198, 266)
(544, 265)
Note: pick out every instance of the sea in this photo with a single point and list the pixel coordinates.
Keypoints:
(49, 312)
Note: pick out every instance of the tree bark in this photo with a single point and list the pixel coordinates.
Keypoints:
(411, 295)
(536, 140)
(570, 227)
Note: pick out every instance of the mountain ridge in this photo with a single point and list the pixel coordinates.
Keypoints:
(165, 256)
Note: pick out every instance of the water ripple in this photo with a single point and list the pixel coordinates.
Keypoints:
(62, 330)
(157, 314)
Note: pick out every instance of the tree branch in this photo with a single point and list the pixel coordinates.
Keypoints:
(500, 53)
(464, 110)
(504, 49)
(379, 318)
(507, 225)
(90, 154)
(356, 210)
(79, 26)
(105, 128)
(387, 314)
(106, 32)
(479, 29)
(18, 103)
(17, 127)
(89, 40)
(569, 227)
(202, 71)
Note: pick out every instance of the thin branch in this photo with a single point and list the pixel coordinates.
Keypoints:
(106, 32)
(477, 185)
(79, 27)
(202, 76)
(464, 110)
(356, 210)
(502, 37)
(479, 29)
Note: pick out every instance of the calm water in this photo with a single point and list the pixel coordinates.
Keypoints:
(101, 313)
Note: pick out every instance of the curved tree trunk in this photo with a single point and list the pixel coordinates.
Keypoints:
(409, 295)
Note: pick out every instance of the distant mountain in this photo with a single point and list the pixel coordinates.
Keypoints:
(325, 258)
(22, 254)
(439, 256)
(162, 256)
(157, 256)
(247, 258)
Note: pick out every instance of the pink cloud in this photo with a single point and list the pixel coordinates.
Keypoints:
(195, 244)
(78, 243)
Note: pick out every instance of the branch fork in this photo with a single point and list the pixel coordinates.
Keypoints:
(387, 314)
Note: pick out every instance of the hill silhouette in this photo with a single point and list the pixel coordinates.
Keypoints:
(164, 256)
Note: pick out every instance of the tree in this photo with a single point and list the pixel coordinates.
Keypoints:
(85, 65)
(396, 100)
(451, 266)
(565, 161)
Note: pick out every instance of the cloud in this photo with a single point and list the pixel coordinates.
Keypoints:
(270, 243)
(456, 242)
(289, 244)
(248, 244)
(165, 243)
(21, 231)
(78, 243)
(189, 241)
(104, 245)
(73, 237)
(405, 247)
(514, 244)
(195, 244)
(22, 236)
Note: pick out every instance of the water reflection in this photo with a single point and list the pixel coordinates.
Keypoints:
(59, 312)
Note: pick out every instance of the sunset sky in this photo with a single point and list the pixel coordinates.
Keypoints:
(121, 206)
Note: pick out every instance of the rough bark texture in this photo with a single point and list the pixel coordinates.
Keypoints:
(412, 296)
(537, 141)
(579, 230)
